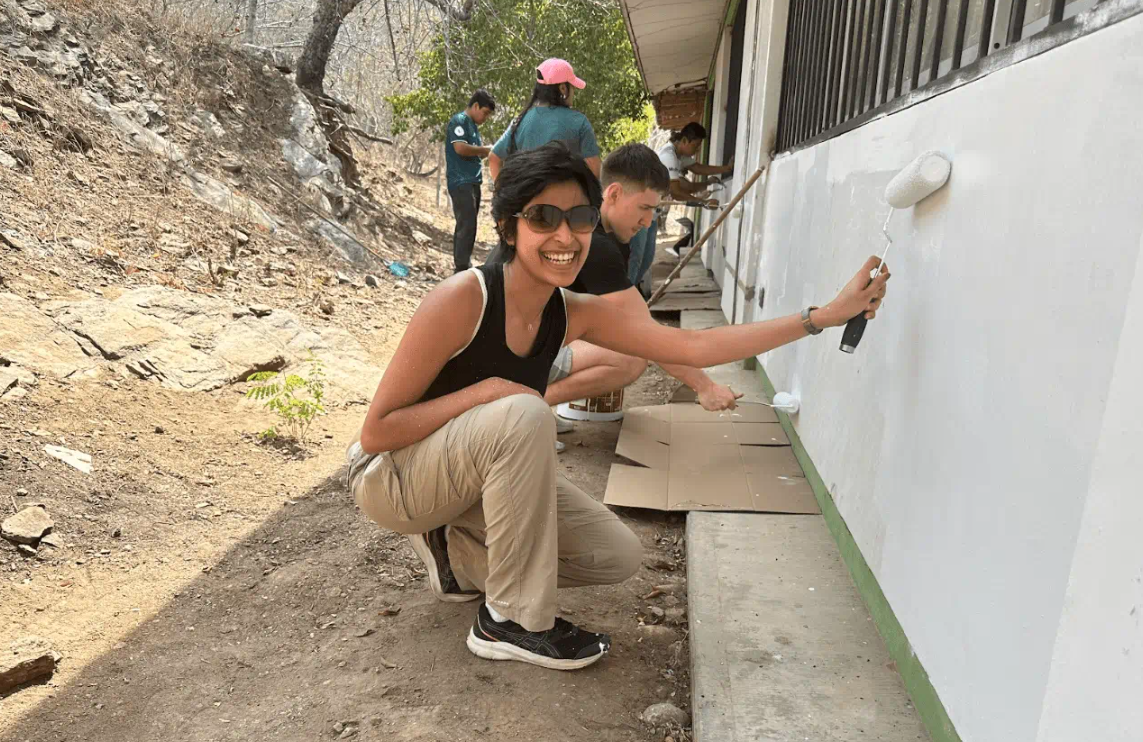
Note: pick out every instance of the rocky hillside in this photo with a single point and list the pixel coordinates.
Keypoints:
(173, 212)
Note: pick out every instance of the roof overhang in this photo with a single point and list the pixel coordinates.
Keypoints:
(675, 41)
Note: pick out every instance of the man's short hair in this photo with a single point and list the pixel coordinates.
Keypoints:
(694, 131)
(636, 166)
(483, 99)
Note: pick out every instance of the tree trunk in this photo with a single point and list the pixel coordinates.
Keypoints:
(319, 44)
(251, 19)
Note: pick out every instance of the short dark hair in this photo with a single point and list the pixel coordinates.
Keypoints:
(636, 165)
(525, 175)
(693, 131)
(483, 99)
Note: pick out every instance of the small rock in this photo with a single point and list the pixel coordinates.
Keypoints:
(28, 660)
(676, 615)
(372, 281)
(661, 714)
(27, 526)
(362, 633)
(21, 492)
(26, 550)
(117, 533)
(657, 612)
(231, 165)
(349, 732)
(327, 307)
(261, 310)
(241, 236)
(269, 282)
(6, 160)
(421, 238)
(82, 245)
(402, 284)
(227, 270)
(53, 540)
(658, 633)
(342, 278)
(338, 727)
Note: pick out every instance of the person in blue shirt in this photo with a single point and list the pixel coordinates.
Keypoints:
(463, 153)
(549, 117)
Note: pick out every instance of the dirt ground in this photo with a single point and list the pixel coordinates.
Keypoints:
(212, 588)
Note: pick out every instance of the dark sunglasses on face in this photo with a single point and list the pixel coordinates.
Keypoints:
(546, 218)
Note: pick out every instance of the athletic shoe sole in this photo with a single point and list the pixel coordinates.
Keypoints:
(421, 546)
(505, 651)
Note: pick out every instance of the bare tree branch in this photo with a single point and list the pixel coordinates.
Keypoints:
(463, 13)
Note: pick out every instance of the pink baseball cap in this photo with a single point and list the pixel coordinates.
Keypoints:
(555, 71)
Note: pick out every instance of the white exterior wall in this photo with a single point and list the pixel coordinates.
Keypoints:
(979, 442)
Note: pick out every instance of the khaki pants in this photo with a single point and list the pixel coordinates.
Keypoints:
(518, 529)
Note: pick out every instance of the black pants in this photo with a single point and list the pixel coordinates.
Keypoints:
(465, 206)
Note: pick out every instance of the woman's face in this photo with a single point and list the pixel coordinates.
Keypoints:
(555, 257)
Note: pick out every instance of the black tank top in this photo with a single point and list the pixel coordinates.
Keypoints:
(487, 355)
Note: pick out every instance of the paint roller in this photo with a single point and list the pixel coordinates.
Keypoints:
(920, 178)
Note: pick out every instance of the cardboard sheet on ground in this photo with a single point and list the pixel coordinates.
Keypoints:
(738, 460)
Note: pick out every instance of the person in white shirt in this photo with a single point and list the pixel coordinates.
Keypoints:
(678, 155)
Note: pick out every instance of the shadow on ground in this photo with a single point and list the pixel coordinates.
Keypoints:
(286, 638)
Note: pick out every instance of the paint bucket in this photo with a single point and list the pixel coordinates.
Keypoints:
(601, 409)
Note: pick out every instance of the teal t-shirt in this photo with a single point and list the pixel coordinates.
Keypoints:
(462, 170)
(543, 124)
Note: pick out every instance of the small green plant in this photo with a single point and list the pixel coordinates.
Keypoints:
(297, 401)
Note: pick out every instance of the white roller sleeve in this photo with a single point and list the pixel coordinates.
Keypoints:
(920, 177)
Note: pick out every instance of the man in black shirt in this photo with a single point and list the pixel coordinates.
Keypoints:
(634, 181)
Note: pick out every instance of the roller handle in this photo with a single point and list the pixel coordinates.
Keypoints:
(854, 329)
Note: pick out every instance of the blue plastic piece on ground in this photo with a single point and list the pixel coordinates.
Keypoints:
(399, 269)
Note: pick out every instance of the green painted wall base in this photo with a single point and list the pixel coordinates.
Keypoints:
(925, 699)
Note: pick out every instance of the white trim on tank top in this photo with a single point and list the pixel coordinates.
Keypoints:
(483, 307)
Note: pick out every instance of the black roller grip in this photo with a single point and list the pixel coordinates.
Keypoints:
(854, 329)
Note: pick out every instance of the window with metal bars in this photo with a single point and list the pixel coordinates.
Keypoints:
(846, 58)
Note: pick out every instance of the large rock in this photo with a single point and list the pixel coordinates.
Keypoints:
(194, 342)
(27, 526)
(221, 197)
(31, 339)
(28, 660)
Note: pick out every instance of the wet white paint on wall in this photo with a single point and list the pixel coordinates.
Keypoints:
(975, 443)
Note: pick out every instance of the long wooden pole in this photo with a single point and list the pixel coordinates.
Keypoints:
(706, 235)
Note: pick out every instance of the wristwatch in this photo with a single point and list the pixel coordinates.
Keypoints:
(811, 328)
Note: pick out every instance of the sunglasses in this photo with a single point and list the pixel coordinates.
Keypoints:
(546, 218)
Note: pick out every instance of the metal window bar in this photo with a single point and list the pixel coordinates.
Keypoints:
(875, 55)
(821, 57)
(892, 34)
(904, 48)
(835, 65)
(938, 38)
(866, 57)
(1016, 21)
(919, 44)
(844, 58)
(958, 42)
(807, 66)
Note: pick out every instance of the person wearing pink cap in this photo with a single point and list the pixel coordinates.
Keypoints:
(549, 117)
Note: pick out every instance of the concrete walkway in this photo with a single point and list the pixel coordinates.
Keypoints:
(782, 648)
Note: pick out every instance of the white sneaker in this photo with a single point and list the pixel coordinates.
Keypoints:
(563, 426)
(560, 447)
